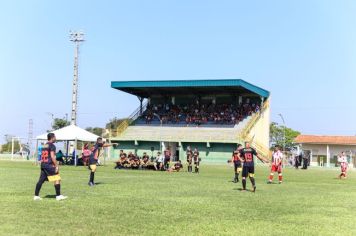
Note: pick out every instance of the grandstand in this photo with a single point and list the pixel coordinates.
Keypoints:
(211, 115)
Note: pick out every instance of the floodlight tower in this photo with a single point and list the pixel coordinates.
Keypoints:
(76, 37)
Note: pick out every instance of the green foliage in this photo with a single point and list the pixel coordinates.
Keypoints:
(59, 123)
(114, 123)
(277, 135)
(96, 130)
(7, 146)
(128, 202)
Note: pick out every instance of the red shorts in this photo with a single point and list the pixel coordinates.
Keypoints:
(276, 168)
(343, 167)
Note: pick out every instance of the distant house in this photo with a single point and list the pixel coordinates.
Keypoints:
(323, 150)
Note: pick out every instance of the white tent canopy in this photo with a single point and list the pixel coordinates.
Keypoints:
(71, 133)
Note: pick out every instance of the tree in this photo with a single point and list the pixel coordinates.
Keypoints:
(96, 130)
(7, 146)
(277, 135)
(114, 123)
(59, 123)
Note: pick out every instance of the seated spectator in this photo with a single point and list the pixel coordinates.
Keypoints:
(159, 161)
(122, 160)
(146, 163)
(59, 157)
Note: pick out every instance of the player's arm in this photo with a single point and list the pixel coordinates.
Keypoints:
(110, 144)
(54, 160)
(240, 157)
(263, 159)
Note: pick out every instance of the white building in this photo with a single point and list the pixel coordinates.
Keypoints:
(324, 149)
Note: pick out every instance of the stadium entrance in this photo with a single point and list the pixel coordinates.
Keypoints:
(212, 116)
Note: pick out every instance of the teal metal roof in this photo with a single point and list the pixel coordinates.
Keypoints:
(130, 86)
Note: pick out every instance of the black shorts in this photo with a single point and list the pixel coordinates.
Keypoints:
(237, 165)
(247, 170)
(48, 170)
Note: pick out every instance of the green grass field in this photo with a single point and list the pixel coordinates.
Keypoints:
(129, 202)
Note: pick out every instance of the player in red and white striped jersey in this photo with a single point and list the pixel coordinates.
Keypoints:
(277, 161)
(344, 164)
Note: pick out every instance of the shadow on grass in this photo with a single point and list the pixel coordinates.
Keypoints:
(50, 196)
(241, 190)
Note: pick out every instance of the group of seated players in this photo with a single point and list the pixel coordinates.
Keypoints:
(199, 114)
(145, 162)
(161, 163)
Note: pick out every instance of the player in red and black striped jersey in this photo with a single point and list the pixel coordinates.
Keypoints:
(237, 161)
(196, 160)
(248, 169)
(189, 153)
(49, 168)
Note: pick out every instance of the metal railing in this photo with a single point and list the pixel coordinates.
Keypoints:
(128, 121)
(244, 134)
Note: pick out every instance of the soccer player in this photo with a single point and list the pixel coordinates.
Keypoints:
(236, 159)
(177, 167)
(248, 169)
(93, 159)
(189, 159)
(167, 158)
(196, 160)
(49, 169)
(277, 160)
(342, 159)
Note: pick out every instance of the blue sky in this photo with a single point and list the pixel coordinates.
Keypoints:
(304, 52)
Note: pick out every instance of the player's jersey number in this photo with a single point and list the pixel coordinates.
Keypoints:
(248, 157)
(44, 156)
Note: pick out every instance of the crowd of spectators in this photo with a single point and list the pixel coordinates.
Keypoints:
(162, 162)
(197, 114)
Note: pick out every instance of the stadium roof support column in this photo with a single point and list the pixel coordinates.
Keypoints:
(327, 156)
(141, 100)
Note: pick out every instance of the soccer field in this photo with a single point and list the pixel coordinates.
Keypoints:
(128, 202)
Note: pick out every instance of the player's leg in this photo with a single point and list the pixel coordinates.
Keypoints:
(251, 173)
(92, 174)
(244, 176)
(197, 167)
(41, 180)
(236, 178)
(271, 175)
(280, 174)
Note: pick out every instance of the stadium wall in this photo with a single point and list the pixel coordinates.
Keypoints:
(215, 153)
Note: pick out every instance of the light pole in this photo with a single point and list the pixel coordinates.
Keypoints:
(284, 132)
(77, 38)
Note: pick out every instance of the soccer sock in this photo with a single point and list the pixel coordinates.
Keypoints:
(58, 189)
(271, 177)
(252, 181)
(280, 177)
(244, 183)
(236, 176)
(91, 177)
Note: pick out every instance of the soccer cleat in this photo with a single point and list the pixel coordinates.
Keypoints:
(269, 182)
(91, 184)
(254, 189)
(37, 198)
(61, 197)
